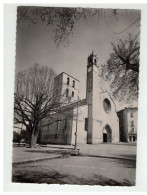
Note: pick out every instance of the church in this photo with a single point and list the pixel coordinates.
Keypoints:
(91, 120)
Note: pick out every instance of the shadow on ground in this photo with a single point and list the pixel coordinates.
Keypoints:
(31, 173)
(54, 177)
(128, 161)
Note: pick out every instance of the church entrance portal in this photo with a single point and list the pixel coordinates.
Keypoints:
(104, 137)
(107, 134)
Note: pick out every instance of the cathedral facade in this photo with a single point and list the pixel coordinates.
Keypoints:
(90, 121)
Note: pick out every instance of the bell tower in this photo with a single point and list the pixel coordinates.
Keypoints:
(93, 98)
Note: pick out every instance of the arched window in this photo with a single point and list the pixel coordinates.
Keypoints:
(67, 92)
(72, 93)
(68, 80)
(73, 84)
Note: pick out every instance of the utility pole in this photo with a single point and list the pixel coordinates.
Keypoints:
(76, 125)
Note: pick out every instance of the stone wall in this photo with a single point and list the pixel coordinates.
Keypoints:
(81, 128)
(58, 129)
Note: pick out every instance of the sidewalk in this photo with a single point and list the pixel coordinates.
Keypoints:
(60, 146)
(25, 155)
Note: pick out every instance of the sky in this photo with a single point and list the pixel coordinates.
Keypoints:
(34, 44)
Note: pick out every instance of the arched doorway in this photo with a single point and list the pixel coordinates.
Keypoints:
(107, 134)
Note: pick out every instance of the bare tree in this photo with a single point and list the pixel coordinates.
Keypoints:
(35, 99)
(122, 68)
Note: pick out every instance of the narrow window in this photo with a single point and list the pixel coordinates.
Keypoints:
(132, 130)
(131, 114)
(90, 60)
(72, 93)
(65, 123)
(67, 92)
(134, 138)
(73, 84)
(132, 123)
(86, 124)
(67, 80)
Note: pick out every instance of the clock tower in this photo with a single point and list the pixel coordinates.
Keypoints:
(93, 99)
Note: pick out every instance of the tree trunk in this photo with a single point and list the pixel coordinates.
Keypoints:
(33, 140)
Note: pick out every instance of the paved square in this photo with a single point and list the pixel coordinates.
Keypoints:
(108, 164)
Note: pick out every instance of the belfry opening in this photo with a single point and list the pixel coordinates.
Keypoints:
(107, 134)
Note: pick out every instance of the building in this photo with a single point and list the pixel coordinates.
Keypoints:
(66, 87)
(91, 120)
(128, 124)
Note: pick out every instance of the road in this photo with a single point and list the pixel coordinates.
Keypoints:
(113, 165)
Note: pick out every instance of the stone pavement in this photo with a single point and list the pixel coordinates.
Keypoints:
(99, 164)
(24, 155)
(124, 150)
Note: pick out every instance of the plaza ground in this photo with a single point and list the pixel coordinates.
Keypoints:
(101, 164)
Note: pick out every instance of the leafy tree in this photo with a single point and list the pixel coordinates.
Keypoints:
(63, 20)
(35, 98)
(122, 68)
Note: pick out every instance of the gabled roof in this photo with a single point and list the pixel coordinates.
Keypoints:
(103, 92)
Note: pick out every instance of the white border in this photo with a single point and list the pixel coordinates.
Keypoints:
(9, 61)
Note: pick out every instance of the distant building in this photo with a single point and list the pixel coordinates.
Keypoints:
(97, 120)
(128, 124)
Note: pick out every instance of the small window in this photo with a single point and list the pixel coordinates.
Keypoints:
(65, 123)
(131, 114)
(72, 93)
(73, 84)
(90, 60)
(132, 130)
(68, 80)
(134, 138)
(132, 123)
(86, 124)
(67, 92)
